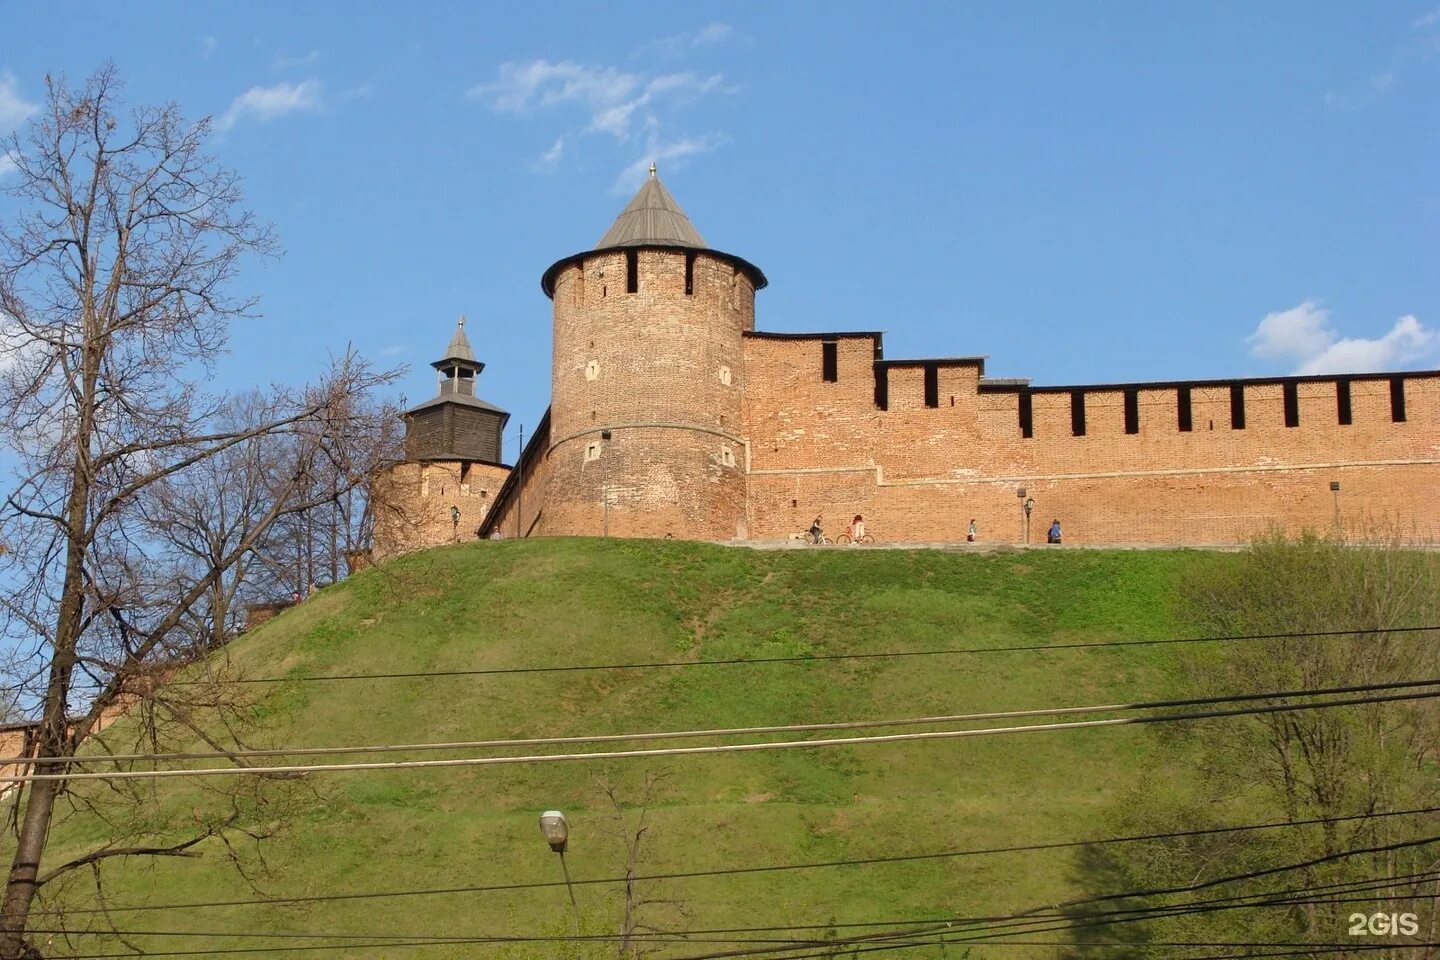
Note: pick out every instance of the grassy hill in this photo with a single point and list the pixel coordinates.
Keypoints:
(550, 602)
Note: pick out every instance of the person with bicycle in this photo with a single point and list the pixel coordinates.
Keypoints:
(817, 534)
(857, 529)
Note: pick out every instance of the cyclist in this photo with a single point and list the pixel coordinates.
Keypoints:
(857, 529)
(817, 535)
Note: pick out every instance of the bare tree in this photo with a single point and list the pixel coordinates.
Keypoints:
(312, 546)
(113, 304)
(636, 918)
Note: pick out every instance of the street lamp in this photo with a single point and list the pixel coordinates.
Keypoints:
(1029, 509)
(1335, 489)
(1024, 527)
(557, 833)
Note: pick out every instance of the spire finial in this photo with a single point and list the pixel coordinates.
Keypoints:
(461, 322)
(652, 169)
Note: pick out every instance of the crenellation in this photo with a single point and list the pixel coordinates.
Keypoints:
(672, 416)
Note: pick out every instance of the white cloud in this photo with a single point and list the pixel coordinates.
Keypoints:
(550, 158)
(673, 153)
(14, 109)
(1427, 20)
(623, 105)
(679, 44)
(712, 32)
(1407, 343)
(1304, 335)
(612, 98)
(1298, 332)
(208, 46)
(283, 62)
(267, 103)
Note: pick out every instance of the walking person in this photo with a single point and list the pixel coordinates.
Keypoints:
(970, 536)
(817, 534)
(857, 530)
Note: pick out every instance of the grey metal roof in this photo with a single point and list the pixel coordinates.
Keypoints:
(652, 217)
(459, 348)
(461, 399)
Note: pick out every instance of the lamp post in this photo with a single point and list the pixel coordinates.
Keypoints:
(1335, 491)
(605, 481)
(1029, 509)
(557, 833)
(1024, 527)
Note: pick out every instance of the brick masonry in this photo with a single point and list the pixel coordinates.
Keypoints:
(720, 432)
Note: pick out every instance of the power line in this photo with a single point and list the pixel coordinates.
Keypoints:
(814, 658)
(947, 933)
(720, 732)
(292, 769)
(370, 766)
(1282, 898)
(763, 868)
(1036, 915)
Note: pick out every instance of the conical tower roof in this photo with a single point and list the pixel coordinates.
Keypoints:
(652, 218)
(459, 348)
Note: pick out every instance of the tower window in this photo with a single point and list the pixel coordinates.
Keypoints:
(689, 274)
(932, 385)
(632, 271)
(1397, 399)
(1342, 402)
(725, 375)
(592, 370)
(1027, 415)
(1077, 413)
(1237, 406)
(1291, 392)
(592, 451)
(727, 457)
(1132, 411)
(829, 361)
(1182, 407)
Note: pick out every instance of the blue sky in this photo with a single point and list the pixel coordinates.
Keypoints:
(1083, 193)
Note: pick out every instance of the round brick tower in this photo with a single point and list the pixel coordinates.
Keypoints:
(645, 416)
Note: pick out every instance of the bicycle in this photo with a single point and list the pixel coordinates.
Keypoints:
(809, 539)
(846, 538)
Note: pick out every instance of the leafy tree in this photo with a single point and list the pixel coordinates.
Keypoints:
(1291, 766)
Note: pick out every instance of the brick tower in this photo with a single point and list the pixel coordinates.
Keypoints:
(646, 424)
(444, 488)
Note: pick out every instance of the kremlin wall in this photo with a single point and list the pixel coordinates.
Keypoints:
(673, 416)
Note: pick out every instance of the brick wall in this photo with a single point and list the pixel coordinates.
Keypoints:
(519, 510)
(413, 503)
(921, 473)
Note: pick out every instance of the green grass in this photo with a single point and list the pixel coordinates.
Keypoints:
(552, 602)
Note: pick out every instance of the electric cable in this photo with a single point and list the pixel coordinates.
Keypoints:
(758, 869)
(293, 769)
(721, 732)
(810, 658)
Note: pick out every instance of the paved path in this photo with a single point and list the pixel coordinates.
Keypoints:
(981, 547)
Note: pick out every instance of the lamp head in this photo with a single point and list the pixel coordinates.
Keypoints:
(556, 829)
